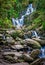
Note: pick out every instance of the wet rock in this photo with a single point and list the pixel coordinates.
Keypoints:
(27, 57)
(31, 43)
(42, 42)
(34, 54)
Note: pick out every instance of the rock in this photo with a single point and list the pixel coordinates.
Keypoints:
(36, 62)
(34, 54)
(18, 47)
(23, 63)
(17, 54)
(27, 57)
(42, 42)
(13, 56)
(9, 59)
(10, 40)
(31, 43)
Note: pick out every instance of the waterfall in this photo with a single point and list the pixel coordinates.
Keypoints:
(20, 22)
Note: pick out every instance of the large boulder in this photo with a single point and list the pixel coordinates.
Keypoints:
(27, 57)
(34, 54)
(32, 43)
(41, 41)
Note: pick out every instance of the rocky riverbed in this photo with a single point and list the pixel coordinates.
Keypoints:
(16, 50)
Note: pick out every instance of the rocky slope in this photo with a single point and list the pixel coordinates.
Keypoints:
(19, 51)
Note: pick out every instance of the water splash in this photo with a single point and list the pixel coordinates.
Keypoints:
(20, 22)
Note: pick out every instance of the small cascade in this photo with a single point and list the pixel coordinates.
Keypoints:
(20, 22)
(34, 34)
(42, 54)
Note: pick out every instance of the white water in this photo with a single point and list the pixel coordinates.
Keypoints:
(20, 22)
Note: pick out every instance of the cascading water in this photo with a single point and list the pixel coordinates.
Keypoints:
(34, 34)
(29, 10)
(19, 22)
(42, 54)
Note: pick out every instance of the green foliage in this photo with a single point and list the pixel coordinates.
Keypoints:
(43, 24)
(41, 4)
(6, 23)
(11, 8)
